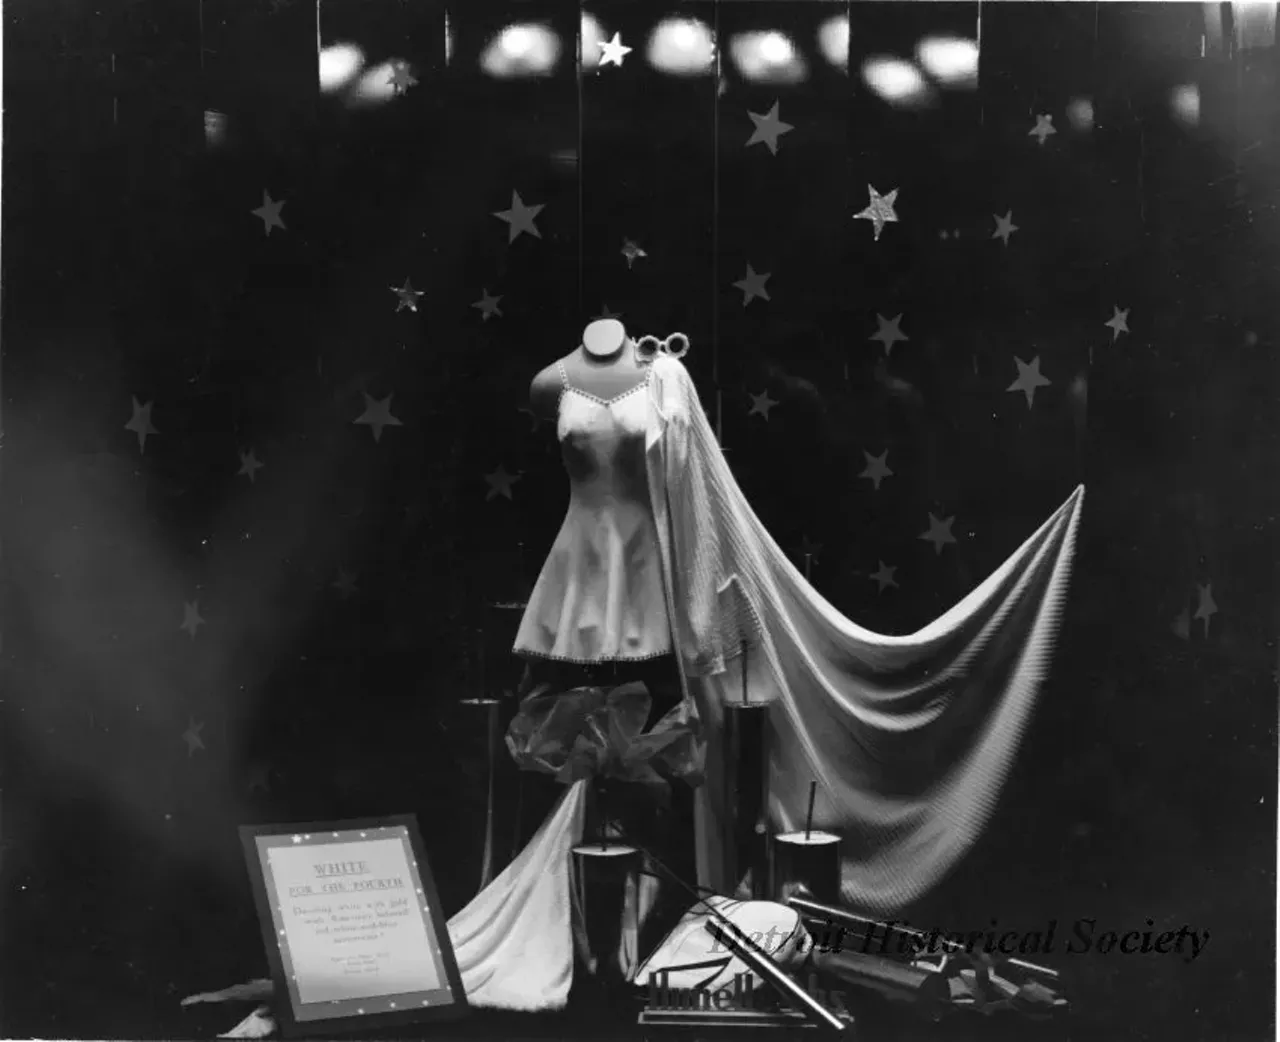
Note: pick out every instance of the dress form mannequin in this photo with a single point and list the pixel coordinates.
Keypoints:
(604, 365)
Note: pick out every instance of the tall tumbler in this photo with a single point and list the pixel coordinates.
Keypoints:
(606, 917)
(806, 862)
(747, 787)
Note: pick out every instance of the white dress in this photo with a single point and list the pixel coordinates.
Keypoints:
(599, 597)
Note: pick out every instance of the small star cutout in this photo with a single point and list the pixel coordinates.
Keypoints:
(192, 737)
(613, 51)
(191, 618)
(249, 465)
(377, 415)
(1118, 323)
(889, 333)
(1207, 607)
(140, 424)
(752, 285)
(939, 533)
(520, 218)
(631, 251)
(761, 404)
(401, 78)
(1043, 129)
(487, 306)
(883, 576)
(879, 211)
(269, 212)
(1004, 227)
(877, 468)
(260, 778)
(345, 583)
(406, 296)
(768, 129)
(1029, 378)
(605, 313)
(500, 482)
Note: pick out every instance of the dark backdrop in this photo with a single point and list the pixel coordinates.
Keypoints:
(344, 593)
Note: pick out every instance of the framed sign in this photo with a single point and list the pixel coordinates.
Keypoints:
(352, 925)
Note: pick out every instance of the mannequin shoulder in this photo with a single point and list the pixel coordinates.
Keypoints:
(544, 391)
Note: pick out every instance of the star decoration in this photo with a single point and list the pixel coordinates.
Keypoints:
(877, 468)
(752, 285)
(1207, 606)
(1029, 378)
(761, 404)
(192, 737)
(269, 213)
(140, 424)
(1004, 227)
(1043, 129)
(631, 251)
(883, 576)
(605, 313)
(520, 218)
(613, 51)
(1181, 625)
(487, 306)
(500, 482)
(260, 778)
(879, 211)
(889, 333)
(939, 533)
(377, 415)
(768, 129)
(345, 583)
(191, 618)
(249, 465)
(406, 296)
(1118, 323)
(401, 78)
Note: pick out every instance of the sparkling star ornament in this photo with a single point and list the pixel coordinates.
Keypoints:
(401, 78)
(500, 482)
(406, 296)
(877, 468)
(1043, 130)
(632, 252)
(520, 218)
(752, 285)
(879, 211)
(1118, 322)
(487, 306)
(761, 404)
(613, 51)
(140, 424)
(191, 618)
(768, 129)
(883, 577)
(1004, 227)
(889, 333)
(249, 465)
(939, 533)
(269, 213)
(377, 415)
(1029, 378)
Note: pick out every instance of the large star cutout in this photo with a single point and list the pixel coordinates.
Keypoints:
(1118, 323)
(406, 296)
(520, 218)
(191, 618)
(377, 415)
(613, 51)
(1004, 227)
(1207, 606)
(1043, 129)
(889, 333)
(939, 533)
(879, 211)
(345, 583)
(249, 465)
(752, 285)
(401, 78)
(883, 576)
(192, 737)
(768, 129)
(500, 482)
(269, 212)
(140, 424)
(631, 251)
(877, 468)
(761, 404)
(1029, 378)
(488, 306)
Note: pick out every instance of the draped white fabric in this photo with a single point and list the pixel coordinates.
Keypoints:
(908, 737)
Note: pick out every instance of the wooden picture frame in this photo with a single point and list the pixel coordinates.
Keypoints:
(352, 924)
